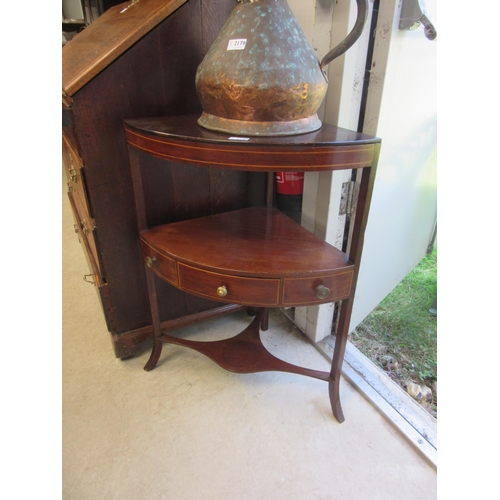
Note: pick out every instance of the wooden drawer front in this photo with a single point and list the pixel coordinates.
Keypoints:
(245, 291)
(162, 265)
(302, 291)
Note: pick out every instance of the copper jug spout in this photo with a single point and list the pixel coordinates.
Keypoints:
(261, 76)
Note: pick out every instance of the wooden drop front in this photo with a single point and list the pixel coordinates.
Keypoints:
(254, 257)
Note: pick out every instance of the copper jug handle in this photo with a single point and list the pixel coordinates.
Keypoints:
(352, 37)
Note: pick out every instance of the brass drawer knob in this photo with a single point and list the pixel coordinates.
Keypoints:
(322, 292)
(222, 291)
(150, 261)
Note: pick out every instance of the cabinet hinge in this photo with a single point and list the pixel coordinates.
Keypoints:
(87, 226)
(73, 173)
(347, 198)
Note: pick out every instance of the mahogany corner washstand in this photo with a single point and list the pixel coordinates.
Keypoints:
(255, 257)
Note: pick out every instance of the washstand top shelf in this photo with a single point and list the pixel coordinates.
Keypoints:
(181, 139)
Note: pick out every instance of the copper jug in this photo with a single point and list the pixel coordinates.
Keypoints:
(261, 77)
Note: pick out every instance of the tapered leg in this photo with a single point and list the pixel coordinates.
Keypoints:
(358, 231)
(264, 324)
(338, 359)
(155, 314)
(333, 390)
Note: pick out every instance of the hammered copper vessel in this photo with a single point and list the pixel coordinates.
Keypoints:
(261, 76)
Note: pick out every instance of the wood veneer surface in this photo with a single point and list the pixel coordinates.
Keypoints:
(102, 42)
(256, 241)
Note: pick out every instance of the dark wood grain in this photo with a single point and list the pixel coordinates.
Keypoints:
(254, 256)
(186, 129)
(213, 15)
(127, 343)
(182, 139)
(355, 253)
(247, 291)
(261, 256)
(110, 77)
(243, 353)
(102, 42)
(257, 241)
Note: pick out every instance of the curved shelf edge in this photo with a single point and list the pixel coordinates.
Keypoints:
(245, 353)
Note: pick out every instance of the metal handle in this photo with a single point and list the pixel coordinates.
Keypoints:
(413, 15)
(151, 261)
(322, 292)
(352, 37)
(222, 291)
(429, 29)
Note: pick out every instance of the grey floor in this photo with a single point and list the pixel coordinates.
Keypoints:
(190, 430)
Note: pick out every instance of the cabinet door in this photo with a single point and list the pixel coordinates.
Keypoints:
(84, 223)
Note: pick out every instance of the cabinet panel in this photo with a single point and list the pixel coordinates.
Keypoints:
(73, 166)
(154, 75)
(84, 223)
(86, 238)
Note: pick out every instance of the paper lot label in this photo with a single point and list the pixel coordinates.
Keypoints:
(237, 44)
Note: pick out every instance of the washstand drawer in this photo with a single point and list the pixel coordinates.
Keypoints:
(227, 288)
(309, 291)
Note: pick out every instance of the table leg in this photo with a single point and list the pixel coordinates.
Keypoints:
(264, 324)
(153, 302)
(338, 359)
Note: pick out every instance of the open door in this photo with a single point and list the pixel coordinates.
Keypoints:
(401, 108)
(384, 86)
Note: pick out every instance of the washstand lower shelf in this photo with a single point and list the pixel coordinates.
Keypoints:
(256, 257)
(243, 353)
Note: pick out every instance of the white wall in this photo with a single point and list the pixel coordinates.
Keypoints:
(402, 111)
(326, 23)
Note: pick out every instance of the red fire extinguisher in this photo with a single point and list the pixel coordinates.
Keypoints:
(289, 191)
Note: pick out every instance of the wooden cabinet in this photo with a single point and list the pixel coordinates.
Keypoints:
(138, 62)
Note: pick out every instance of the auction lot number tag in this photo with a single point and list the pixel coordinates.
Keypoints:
(237, 44)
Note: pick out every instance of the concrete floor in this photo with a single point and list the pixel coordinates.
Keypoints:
(189, 429)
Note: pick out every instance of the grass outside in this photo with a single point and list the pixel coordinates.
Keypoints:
(400, 335)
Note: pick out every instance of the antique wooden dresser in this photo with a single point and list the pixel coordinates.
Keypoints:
(138, 59)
